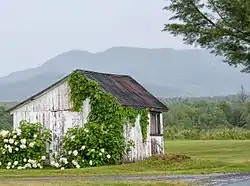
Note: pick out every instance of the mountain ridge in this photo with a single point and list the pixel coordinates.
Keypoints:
(165, 72)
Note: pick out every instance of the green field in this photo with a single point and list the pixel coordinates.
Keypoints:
(229, 151)
(206, 157)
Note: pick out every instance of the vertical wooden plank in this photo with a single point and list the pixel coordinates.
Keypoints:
(54, 131)
(127, 136)
(15, 120)
(68, 122)
(55, 99)
(148, 141)
(58, 130)
(86, 110)
(162, 132)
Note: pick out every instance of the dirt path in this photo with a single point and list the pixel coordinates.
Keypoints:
(206, 180)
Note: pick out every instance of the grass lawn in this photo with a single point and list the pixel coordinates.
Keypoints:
(206, 157)
(80, 183)
(230, 151)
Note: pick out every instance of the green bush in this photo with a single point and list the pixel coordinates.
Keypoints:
(24, 147)
(92, 145)
(210, 134)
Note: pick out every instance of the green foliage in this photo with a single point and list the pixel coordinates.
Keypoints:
(208, 118)
(24, 147)
(220, 25)
(106, 119)
(91, 145)
(209, 114)
(144, 123)
(5, 119)
(196, 114)
(211, 134)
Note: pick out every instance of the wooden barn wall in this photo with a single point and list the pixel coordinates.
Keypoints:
(55, 99)
(141, 150)
(52, 109)
(157, 144)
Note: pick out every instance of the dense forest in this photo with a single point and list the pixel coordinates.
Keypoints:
(193, 117)
(209, 113)
(208, 118)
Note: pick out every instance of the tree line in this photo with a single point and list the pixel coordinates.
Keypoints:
(209, 113)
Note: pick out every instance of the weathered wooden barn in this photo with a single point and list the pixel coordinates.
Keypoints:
(52, 108)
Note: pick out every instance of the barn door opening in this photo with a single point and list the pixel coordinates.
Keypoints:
(155, 132)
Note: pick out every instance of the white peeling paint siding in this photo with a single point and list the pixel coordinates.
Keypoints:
(162, 132)
(141, 150)
(53, 110)
(52, 100)
(157, 144)
(152, 145)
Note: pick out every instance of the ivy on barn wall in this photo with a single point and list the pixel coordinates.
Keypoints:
(105, 108)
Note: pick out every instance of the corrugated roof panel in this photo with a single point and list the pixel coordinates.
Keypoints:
(128, 91)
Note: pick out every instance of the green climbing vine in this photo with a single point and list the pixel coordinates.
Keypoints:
(105, 108)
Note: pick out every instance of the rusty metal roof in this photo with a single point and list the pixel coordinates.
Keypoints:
(128, 91)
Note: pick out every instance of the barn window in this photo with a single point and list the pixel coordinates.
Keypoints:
(155, 123)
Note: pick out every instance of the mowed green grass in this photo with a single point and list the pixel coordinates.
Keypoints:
(231, 151)
(206, 157)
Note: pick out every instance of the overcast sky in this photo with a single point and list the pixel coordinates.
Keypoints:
(33, 31)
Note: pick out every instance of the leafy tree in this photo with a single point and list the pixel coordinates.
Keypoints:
(226, 107)
(245, 122)
(5, 119)
(205, 114)
(222, 26)
(242, 95)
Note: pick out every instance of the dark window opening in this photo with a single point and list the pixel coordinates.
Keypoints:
(155, 123)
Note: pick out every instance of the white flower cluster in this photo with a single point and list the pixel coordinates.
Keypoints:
(77, 159)
(20, 143)
(28, 164)
(13, 146)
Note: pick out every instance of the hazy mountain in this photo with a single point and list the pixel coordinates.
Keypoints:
(164, 72)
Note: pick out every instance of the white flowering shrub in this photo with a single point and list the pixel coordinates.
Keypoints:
(24, 147)
(91, 145)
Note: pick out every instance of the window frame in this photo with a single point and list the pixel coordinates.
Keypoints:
(155, 124)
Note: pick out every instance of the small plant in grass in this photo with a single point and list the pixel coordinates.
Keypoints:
(91, 145)
(24, 147)
(169, 157)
